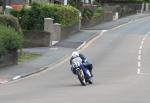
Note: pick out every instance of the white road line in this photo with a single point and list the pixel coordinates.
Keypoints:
(139, 58)
(139, 71)
(139, 64)
(142, 42)
(141, 47)
(94, 39)
(140, 53)
(81, 45)
(144, 39)
(16, 77)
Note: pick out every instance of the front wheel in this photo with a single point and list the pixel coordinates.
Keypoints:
(81, 77)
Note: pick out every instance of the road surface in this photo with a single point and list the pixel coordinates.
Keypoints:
(121, 72)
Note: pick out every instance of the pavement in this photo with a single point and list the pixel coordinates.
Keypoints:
(50, 56)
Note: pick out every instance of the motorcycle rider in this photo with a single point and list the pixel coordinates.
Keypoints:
(85, 62)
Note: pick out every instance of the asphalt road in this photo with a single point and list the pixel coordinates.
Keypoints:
(121, 72)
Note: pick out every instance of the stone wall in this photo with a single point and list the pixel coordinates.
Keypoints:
(59, 33)
(105, 17)
(124, 9)
(66, 32)
(10, 58)
(92, 22)
(36, 39)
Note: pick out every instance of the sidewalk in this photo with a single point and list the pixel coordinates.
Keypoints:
(58, 52)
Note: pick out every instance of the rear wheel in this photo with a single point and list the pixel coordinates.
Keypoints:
(90, 81)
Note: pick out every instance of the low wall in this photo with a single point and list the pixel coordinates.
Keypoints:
(36, 39)
(66, 32)
(124, 9)
(10, 58)
(94, 21)
(105, 17)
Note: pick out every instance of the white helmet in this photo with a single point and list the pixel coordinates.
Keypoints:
(75, 54)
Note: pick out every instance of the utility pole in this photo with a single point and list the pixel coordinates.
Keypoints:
(4, 5)
(30, 1)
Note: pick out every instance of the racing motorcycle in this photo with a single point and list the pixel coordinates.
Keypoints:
(83, 73)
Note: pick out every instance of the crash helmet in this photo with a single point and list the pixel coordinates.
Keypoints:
(75, 54)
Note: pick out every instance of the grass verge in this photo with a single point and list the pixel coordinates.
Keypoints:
(27, 56)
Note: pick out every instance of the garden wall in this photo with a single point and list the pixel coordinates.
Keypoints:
(105, 17)
(36, 39)
(66, 32)
(9, 58)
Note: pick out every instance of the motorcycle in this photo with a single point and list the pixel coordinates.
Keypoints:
(83, 73)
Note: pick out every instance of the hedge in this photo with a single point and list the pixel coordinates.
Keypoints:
(88, 13)
(10, 39)
(10, 21)
(33, 19)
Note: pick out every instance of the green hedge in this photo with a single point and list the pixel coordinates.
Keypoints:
(10, 21)
(10, 39)
(88, 13)
(33, 19)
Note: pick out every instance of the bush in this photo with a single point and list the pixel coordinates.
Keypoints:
(10, 21)
(10, 39)
(98, 11)
(33, 19)
(87, 13)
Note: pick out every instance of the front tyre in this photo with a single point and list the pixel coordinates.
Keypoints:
(81, 77)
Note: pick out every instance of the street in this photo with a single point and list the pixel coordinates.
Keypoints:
(121, 72)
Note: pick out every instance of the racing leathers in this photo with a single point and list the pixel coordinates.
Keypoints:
(85, 63)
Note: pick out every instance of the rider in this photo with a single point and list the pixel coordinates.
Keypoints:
(85, 62)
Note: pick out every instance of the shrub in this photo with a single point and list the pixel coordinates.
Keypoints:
(33, 19)
(87, 13)
(10, 21)
(98, 11)
(10, 39)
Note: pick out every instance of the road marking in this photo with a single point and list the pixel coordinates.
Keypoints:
(142, 42)
(141, 47)
(139, 58)
(16, 77)
(139, 64)
(81, 45)
(140, 53)
(139, 71)
(94, 39)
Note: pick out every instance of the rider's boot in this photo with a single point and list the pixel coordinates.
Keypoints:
(91, 73)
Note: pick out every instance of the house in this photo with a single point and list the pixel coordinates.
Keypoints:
(16, 2)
